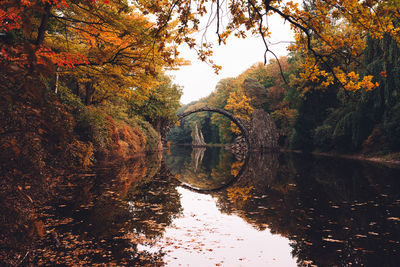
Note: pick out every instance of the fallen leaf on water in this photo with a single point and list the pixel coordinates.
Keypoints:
(333, 240)
(360, 236)
(361, 204)
(39, 228)
(373, 233)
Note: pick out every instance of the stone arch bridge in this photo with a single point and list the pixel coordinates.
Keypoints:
(260, 132)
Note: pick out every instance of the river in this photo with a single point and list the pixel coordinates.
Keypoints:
(205, 207)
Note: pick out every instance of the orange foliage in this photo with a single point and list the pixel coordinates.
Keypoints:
(81, 153)
(125, 140)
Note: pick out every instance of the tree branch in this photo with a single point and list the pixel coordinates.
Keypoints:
(43, 25)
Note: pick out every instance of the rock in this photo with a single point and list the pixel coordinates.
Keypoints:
(263, 134)
(197, 136)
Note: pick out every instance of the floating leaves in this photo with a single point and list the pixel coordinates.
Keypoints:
(332, 240)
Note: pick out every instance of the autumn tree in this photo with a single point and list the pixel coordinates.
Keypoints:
(308, 21)
(107, 47)
(161, 105)
(120, 47)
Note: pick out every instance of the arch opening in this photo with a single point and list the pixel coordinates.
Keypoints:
(239, 122)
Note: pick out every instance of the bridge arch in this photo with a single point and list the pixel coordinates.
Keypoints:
(238, 121)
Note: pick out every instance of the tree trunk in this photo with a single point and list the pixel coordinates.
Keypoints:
(43, 25)
(57, 78)
(77, 87)
(89, 93)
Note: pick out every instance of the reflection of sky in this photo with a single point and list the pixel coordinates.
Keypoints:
(203, 236)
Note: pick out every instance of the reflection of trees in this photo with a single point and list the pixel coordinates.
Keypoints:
(106, 217)
(208, 172)
(177, 163)
(335, 212)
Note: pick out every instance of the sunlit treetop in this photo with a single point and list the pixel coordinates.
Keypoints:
(310, 21)
(68, 33)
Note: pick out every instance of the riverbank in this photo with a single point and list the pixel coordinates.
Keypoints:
(391, 159)
(50, 143)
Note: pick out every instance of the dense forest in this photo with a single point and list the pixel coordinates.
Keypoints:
(82, 80)
(311, 115)
(85, 80)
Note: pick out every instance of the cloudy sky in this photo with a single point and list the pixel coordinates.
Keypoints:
(199, 80)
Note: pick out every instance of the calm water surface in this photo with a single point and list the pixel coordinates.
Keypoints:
(204, 207)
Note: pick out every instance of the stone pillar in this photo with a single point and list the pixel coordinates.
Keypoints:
(263, 134)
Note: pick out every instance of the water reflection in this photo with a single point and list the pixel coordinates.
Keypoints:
(103, 218)
(203, 169)
(334, 212)
(270, 210)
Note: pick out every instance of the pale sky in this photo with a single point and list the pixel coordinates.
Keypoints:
(199, 80)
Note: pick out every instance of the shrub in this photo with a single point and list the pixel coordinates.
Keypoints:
(323, 137)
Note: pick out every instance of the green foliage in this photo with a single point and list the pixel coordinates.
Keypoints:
(92, 125)
(210, 131)
(392, 127)
(95, 124)
(68, 98)
(160, 107)
(225, 134)
(311, 112)
(152, 136)
(322, 138)
(180, 135)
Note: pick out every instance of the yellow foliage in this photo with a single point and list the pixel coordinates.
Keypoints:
(349, 81)
(236, 167)
(240, 106)
(239, 194)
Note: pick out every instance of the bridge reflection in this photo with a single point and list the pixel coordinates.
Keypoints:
(221, 168)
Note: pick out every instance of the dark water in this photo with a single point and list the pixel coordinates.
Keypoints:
(204, 207)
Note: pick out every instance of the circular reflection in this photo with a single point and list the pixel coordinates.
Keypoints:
(205, 168)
